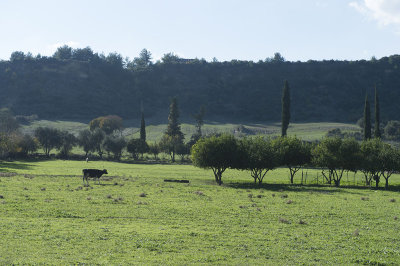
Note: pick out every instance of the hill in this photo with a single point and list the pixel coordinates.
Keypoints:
(235, 91)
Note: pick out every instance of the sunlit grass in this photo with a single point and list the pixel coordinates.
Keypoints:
(134, 217)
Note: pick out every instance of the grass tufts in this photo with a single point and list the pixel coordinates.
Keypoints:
(392, 200)
(356, 232)
(289, 202)
(142, 195)
(364, 198)
(284, 221)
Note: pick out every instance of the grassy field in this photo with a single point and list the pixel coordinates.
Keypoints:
(305, 131)
(134, 217)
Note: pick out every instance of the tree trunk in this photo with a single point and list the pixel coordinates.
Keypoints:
(386, 183)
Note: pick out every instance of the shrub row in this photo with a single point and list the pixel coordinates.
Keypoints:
(333, 155)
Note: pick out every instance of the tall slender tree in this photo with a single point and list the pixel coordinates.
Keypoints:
(173, 136)
(285, 108)
(367, 119)
(142, 129)
(377, 131)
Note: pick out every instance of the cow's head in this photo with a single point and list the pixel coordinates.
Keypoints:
(105, 171)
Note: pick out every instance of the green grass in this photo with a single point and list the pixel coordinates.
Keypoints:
(305, 131)
(49, 217)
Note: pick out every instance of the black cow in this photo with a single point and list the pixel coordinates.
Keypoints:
(92, 173)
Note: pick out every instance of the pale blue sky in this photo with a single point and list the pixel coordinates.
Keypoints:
(225, 29)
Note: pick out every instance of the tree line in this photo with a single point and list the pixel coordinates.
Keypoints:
(333, 155)
(58, 86)
(102, 136)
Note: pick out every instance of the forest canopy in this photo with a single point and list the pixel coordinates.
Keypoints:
(81, 84)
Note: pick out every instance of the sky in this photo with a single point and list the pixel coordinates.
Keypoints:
(299, 30)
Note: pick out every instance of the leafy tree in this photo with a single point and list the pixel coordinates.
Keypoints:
(367, 119)
(285, 108)
(170, 144)
(108, 124)
(337, 156)
(137, 146)
(143, 129)
(216, 153)
(49, 138)
(293, 153)
(144, 59)
(114, 145)
(173, 136)
(27, 144)
(115, 59)
(377, 130)
(17, 56)
(154, 149)
(278, 58)
(83, 54)
(370, 162)
(97, 140)
(85, 140)
(183, 150)
(8, 144)
(170, 58)
(63, 53)
(68, 141)
(390, 163)
(8, 123)
(258, 156)
(392, 130)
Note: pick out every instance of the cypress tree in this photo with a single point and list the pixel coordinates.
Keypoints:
(143, 128)
(174, 127)
(367, 119)
(173, 136)
(285, 108)
(377, 131)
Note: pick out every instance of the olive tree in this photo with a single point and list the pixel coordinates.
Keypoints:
(114, 145)
(136, 146)
(257, 156)
(67, 142)
(371, 163)
(49, 138)
(293, 153)
(390, 163)
(337, 156)
(216, 153)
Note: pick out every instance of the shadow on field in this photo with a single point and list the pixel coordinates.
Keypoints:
(9, 166)
(294, 187)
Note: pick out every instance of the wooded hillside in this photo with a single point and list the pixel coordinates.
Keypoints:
(84, 88)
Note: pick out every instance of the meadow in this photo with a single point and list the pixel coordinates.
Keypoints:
(134, 217)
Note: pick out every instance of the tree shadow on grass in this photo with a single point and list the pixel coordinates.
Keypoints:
(326, 189)
(10, 166)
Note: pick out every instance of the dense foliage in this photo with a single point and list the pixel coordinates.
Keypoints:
(373, 157)
(81, 84)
